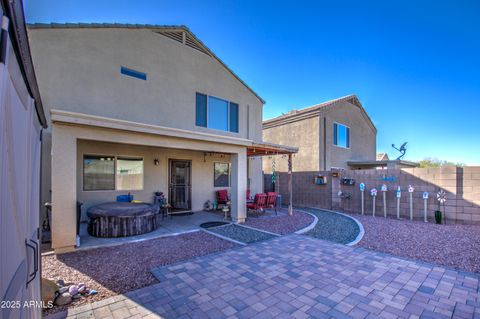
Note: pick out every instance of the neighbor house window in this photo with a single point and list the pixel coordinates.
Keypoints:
(105, 173)
(221, 175)
(216, 113)
(129, 173)
(341, 135)
(98, 173)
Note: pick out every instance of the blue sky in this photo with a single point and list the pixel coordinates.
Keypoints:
(415, 65)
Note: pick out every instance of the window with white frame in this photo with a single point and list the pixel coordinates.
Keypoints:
(216, 113)
(106, 172)
(221, 176)
(98, 172)
(341, 135)
(129, 173)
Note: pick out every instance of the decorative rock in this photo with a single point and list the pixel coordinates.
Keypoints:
(81, 289)
(92, 292)
(73, 290)
(49, 288)
(63, 299)
(77, 296)
(61, 282)
(62, 290)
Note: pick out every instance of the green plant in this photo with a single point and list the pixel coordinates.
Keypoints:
(438, 217)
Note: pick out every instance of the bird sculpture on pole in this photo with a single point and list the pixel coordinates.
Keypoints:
(402, 149)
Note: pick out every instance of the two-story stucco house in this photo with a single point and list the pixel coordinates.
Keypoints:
(333, 134)
(139, 109)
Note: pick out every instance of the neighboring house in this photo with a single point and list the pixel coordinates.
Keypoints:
(138, 109)
(328, 135)
(382, 157)
(21, 123)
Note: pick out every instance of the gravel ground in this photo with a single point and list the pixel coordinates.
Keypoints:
(241, 234)
(333, 227)
(456, 246)
(282, 224)
(115, 270)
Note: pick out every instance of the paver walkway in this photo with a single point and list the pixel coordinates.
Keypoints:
(298, 276)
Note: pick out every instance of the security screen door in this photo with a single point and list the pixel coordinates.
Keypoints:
(180, 184)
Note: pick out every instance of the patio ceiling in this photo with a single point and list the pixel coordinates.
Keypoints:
(269, 149)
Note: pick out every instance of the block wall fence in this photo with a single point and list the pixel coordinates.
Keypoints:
(461, 184)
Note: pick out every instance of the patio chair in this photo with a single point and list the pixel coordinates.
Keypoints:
(259, 203)
(222, 198)
(272, 201)
(249, 198)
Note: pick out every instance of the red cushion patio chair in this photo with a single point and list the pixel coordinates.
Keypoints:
(272, 201)
(222, 197)
(259, 203)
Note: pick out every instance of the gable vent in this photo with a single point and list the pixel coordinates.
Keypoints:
(175, 35)
(189, 41)
(184, 38)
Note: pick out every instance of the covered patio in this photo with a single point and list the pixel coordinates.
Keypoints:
(79, 139)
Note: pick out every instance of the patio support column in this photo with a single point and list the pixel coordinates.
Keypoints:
(64, 189)
(239, 186)
(290, 188)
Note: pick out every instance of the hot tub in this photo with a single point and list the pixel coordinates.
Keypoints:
(118, 219)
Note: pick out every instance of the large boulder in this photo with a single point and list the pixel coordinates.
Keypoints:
(63, 299)
(49, 289)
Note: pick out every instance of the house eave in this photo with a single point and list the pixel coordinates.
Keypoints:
(73, 118)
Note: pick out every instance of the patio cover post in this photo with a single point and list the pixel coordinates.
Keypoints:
(290, 194)
(64, 188)
(239, 186)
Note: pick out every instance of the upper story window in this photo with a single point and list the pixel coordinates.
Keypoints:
(216, 113)
(133, 73)
(341, 135)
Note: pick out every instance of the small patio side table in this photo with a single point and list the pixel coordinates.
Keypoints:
(226, 210)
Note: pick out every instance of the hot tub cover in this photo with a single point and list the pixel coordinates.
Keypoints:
(118, 209)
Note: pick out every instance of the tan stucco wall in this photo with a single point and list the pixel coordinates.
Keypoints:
(155, 177)
(362, 136)
(308, 135)
(79, 70)
(303, 134)
(65, 157)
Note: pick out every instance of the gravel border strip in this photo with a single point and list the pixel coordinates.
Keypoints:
(309, 227)
(246, 228)
(224, 237)
(258, 229)
(360, 226)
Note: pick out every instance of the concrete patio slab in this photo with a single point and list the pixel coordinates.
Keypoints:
(170, 226)
(297, 276)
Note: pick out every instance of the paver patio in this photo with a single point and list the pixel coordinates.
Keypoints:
(297, 276)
